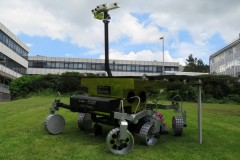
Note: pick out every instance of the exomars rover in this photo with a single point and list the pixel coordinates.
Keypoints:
(121, 102)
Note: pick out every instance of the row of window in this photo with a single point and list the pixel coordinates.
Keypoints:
(229, 65)
(5, 39)
(98, 66)
(9, 63)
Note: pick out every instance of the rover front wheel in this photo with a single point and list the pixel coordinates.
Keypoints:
(118, 146)
(54, 124)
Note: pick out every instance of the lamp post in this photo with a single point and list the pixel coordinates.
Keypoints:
(101, 13)
(162, 38)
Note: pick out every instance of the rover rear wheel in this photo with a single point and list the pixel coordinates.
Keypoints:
(84, 121)
(177, 125)
(118, 146)
(146, 134)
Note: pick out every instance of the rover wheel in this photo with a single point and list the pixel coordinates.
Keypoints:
(54, 124)
(118, 146)
(177, 125)
(84, 121)
(146, 134)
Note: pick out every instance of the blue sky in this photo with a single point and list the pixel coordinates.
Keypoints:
(67, 28)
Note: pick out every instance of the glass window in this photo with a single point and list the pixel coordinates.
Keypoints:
(48, 64)
(124, 67)
(120, 67)
(159, 69)
(141, 68)
(111, 66)
(137, 68)
(30, 64)
(57, 65)
(146, 68)
(129, 67)
(75, 65)
(154, 69)
(61, 65)
(89, 66)
(70, 66)
(66, 65)
(53, 64)
(98, 66)
(150, 68)
(133, 68)
(1, 35)
(93, 66)
(80, 65)
(84, 66)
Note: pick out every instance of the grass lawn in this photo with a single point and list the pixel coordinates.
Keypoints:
(22, 135)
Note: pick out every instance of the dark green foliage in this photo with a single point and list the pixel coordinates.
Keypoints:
(70, 81)
(215, 88)
(186, 91)
(65, 83)
(20, 87)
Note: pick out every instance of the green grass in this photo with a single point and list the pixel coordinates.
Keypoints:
(22, 135)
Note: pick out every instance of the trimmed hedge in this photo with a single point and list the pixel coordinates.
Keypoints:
(64, 83)
(215, 89)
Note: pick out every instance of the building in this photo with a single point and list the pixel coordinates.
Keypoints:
(13, 60)
(226, 61)
(57, 65)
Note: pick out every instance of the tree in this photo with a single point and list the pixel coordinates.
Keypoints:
(195, 65)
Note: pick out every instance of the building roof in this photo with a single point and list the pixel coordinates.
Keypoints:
(232, 44)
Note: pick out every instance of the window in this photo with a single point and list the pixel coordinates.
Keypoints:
(66, 65)
(61, 64)
(120, 67)
(98, 66)
(150, 68)
(70, 66)
(57, 65)
(84, 66)
(48, 64)
(80, 65)
(11, 64)
(53, 64)
(133, 68)
(154, 69)
(89, 66)
(75, 66)
(129, 68)
(124, 67)
(12, 44)
(146, 68)
(137, 68)
(93, 66)
(1, 36)
(141, 68)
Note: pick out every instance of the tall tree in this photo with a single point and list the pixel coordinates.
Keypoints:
(195, 65)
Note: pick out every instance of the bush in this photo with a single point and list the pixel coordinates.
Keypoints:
(65, 83)
(22, 86)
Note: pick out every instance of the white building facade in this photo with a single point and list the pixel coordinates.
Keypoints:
(227, 60)
(13, 60)
(58, 65)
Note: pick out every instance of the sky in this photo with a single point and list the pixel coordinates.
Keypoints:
(67, 28)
